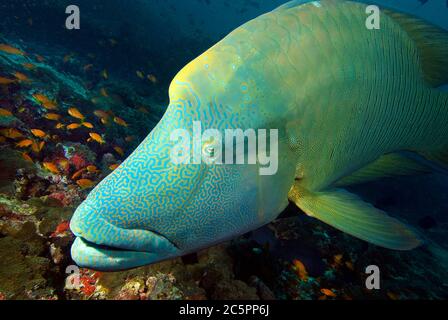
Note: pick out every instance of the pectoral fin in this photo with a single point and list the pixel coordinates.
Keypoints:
(350, 214)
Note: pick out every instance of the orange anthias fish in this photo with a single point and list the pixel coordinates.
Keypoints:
(25, 143)
(92, 169)
(87, 125)
(59, 126)
(50, 166)
(29, 66)
(300, 269)
(119, 150)
(328, 293)
(96, 137)
(6, 81)
(75, 113)
(113, 166)
(5, 113)
(45, 101)
(337, 260)
(21, 77)
(26, 157)
(120, 122)
(37, 147)
(85, 183)
(52, 116)
(11, 133)
(101, 114)
(78, 173)
(38, 133)
(73, 126)
(11, 50)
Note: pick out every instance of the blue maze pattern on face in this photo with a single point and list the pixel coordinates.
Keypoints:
(191, 205)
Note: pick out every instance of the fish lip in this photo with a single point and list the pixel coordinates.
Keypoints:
(105, 235)
(102, 258)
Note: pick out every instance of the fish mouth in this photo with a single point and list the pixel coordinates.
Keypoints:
(102, 246)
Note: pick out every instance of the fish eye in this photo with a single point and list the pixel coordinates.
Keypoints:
(209, 149)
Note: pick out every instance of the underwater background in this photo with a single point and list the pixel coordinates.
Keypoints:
(75, 103)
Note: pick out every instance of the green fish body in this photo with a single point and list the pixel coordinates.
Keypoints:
(350, 105)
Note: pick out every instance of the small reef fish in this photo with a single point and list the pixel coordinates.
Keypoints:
(328, 293)
(78, 173)
(95, 100)
(59, 126)
(105, 74)
(25, 143)
(21, 77)
(104, 93)
(87, 125)
(340, 121)
(37, 146)
(27, 157)
(101, 114)
(152, 78)
(11, 133)
(6, 81)
(119, 150)
(300, 269)
(129, 139)
(11, 50)
(5, 113)
(38, 133)
(50, 166)
(64, 164)
(113, 166)
(73, 126)
(140, 74)
(120, 122)
(29, 66)
(96, 137)
(75, 113)
(52, 116)
(45, 102)
(85, 183)
(92, 169)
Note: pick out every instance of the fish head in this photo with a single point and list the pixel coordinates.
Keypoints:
(175, 195)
